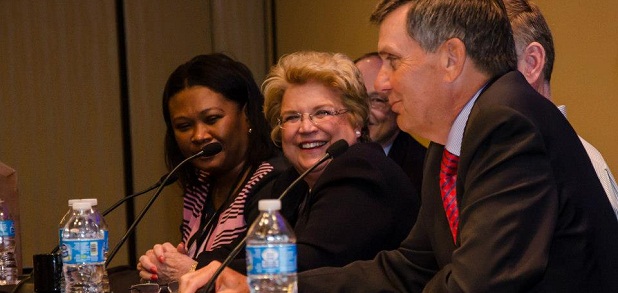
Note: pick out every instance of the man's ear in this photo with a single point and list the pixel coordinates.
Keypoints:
(453, 57)
(531, 63)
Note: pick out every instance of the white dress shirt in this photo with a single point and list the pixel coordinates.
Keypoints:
(601, 168)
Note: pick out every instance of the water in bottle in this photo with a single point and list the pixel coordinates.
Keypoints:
(8, 265)
(104, 230)
(66, 218)
(83, 251)
(271, 251)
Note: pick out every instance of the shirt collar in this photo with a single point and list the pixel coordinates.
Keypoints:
(455, 135)
(387, 148)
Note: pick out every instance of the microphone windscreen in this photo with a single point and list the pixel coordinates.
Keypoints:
(337, 148)
(211, 149)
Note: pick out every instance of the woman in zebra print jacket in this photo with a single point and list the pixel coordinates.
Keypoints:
(213, 98)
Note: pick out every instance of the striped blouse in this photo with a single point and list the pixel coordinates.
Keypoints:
(200, 232)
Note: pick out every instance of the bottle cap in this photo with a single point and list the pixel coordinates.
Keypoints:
(74, 200)
(269, 205)
(93, 201)
(81, 205)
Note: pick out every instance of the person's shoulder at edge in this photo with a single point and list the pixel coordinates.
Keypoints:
(364, 149)
(410, 142)
(361, 154)
(263, 188)
(279, 162)
(277, 165)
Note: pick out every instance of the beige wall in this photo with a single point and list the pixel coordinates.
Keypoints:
(585, 74)
(586, 70)
(58, 72)
(323, 25)
(60, 115)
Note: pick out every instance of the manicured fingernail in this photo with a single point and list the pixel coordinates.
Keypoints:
(154, 277)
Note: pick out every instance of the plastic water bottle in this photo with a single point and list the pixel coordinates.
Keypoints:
(83, 259)
(65, 219)
(8, 265)
(103, 228)
(271, 251)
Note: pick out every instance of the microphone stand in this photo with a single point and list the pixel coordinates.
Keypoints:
(205, 151)
(334, 150)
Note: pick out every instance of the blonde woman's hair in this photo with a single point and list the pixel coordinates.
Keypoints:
(334, 70)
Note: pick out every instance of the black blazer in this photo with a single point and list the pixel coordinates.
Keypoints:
(362, 203)
(409, 154)
(533, 214)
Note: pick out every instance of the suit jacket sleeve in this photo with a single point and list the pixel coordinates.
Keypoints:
(389, 271)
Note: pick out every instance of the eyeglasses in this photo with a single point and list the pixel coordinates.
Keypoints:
(292, 120)
(378, 103)
(154, 288)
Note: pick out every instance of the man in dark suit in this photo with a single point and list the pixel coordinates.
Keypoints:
(523, 209)
(401, 147)
(529, 214)
(535, 60)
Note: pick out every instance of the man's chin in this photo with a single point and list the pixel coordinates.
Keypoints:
(395, 107)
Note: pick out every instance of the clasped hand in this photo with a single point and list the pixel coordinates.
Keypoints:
(229, 281)
(165, 263)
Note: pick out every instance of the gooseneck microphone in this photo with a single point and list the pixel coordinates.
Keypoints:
(208, 150)
(333, 150)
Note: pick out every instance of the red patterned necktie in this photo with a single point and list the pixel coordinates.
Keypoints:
(448, 176)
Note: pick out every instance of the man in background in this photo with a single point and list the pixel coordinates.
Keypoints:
(535, 60)
(406, 151)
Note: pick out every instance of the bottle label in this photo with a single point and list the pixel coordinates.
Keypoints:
(105, 235)
(106, 247)
(77, 251)
(7, 228)
(271, 259)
